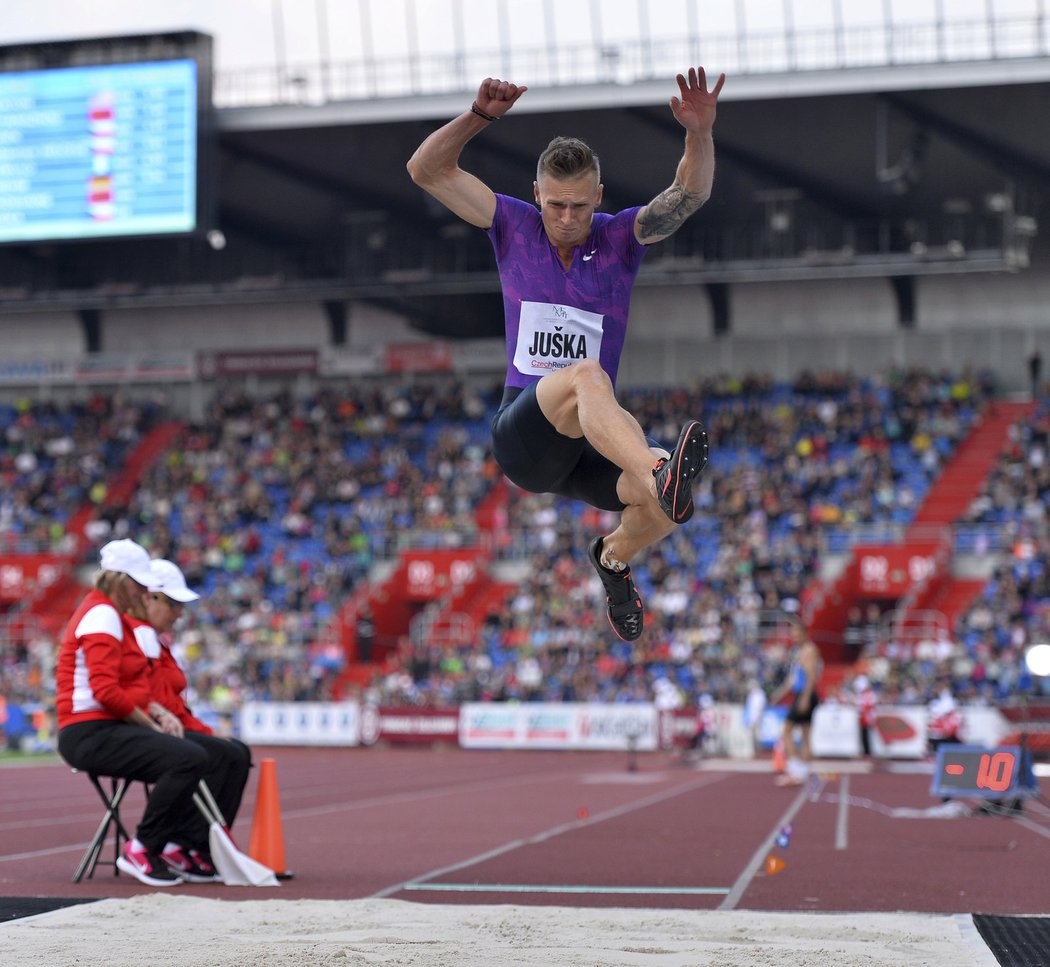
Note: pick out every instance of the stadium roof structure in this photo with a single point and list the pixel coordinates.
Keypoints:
(893, 171)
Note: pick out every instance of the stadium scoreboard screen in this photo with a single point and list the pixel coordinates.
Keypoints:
(104, 150)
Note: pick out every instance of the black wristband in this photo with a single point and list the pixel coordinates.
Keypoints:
(481, 114)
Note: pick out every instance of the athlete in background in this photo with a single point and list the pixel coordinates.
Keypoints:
(801, 684)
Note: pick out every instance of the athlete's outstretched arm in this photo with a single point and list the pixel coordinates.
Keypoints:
(435, 164)
(695, 111)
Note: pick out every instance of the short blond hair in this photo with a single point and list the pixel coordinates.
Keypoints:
(567, 158)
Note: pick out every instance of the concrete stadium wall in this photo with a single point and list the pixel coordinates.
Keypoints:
(41, 334)
(834, 306)
(992, 320)
(976, 301)
(277, 325)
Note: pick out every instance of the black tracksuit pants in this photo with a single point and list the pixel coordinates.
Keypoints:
(174, 767)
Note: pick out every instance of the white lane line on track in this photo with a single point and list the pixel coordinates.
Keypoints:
(756, 861)
(416, 795)
(550, 834)
(67, 820)
(542, 888)
(842, 820)
(51, 851)
(1034, 827)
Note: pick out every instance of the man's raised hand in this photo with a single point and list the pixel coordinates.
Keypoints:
(496, 97)
(695, 109)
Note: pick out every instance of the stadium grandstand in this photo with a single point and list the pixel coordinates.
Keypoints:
(266, 355)
(291, 399)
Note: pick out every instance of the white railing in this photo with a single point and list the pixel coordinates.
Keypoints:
(437, 625)
(908, 627)
(841, 47)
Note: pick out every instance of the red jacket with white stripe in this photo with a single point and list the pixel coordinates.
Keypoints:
(101, 672)
(168, 681)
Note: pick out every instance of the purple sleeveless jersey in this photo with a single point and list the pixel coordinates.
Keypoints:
(555, 317)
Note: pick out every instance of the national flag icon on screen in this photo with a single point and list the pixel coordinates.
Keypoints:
(100, 198)
(103, 144)
(100, 189)
(102, 122)
(102, 114)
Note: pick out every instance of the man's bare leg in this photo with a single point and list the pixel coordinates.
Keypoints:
(642, 522)
(579, 401)
(796, 756)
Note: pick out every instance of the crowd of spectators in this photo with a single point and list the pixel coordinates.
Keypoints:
(277, 508)
(56, 458)
(981, 659)
(1013, 611)
(789, 465)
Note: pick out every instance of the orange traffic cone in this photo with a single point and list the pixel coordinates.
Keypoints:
(779, 762)
(267, 840)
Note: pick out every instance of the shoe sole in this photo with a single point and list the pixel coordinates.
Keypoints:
(195, 878)
(693, 440)
(593, 556)
(132, 870)
(189, 877)
(622, 637)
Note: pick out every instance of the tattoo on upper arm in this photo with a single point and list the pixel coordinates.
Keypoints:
(666, 212)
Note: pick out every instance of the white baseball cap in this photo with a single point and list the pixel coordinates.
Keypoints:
(169, 580)
(127, 557)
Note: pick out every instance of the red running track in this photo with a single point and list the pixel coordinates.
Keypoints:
(571, 829)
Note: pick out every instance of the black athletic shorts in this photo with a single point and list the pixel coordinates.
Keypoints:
(536, 457)
(799, 717)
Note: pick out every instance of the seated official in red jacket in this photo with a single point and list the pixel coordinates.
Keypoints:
(103, 694)
(229, 759)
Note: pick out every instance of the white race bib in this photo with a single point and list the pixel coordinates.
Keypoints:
(551, 337)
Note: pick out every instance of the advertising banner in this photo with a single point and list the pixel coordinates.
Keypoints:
(771, 726)
(724, 731)
(899, 732)
(300, 723)
(258, 362)
(479, 355)
(360, 361)
(409, 726)
(835, 731)
(419, 357)
(32, 371)
(544, 725)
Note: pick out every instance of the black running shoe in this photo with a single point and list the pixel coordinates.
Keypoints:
(675, 475)
(626, 614)
(189, 864)
(146, 867)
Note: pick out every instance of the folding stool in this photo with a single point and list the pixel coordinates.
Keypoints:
(111, 818)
